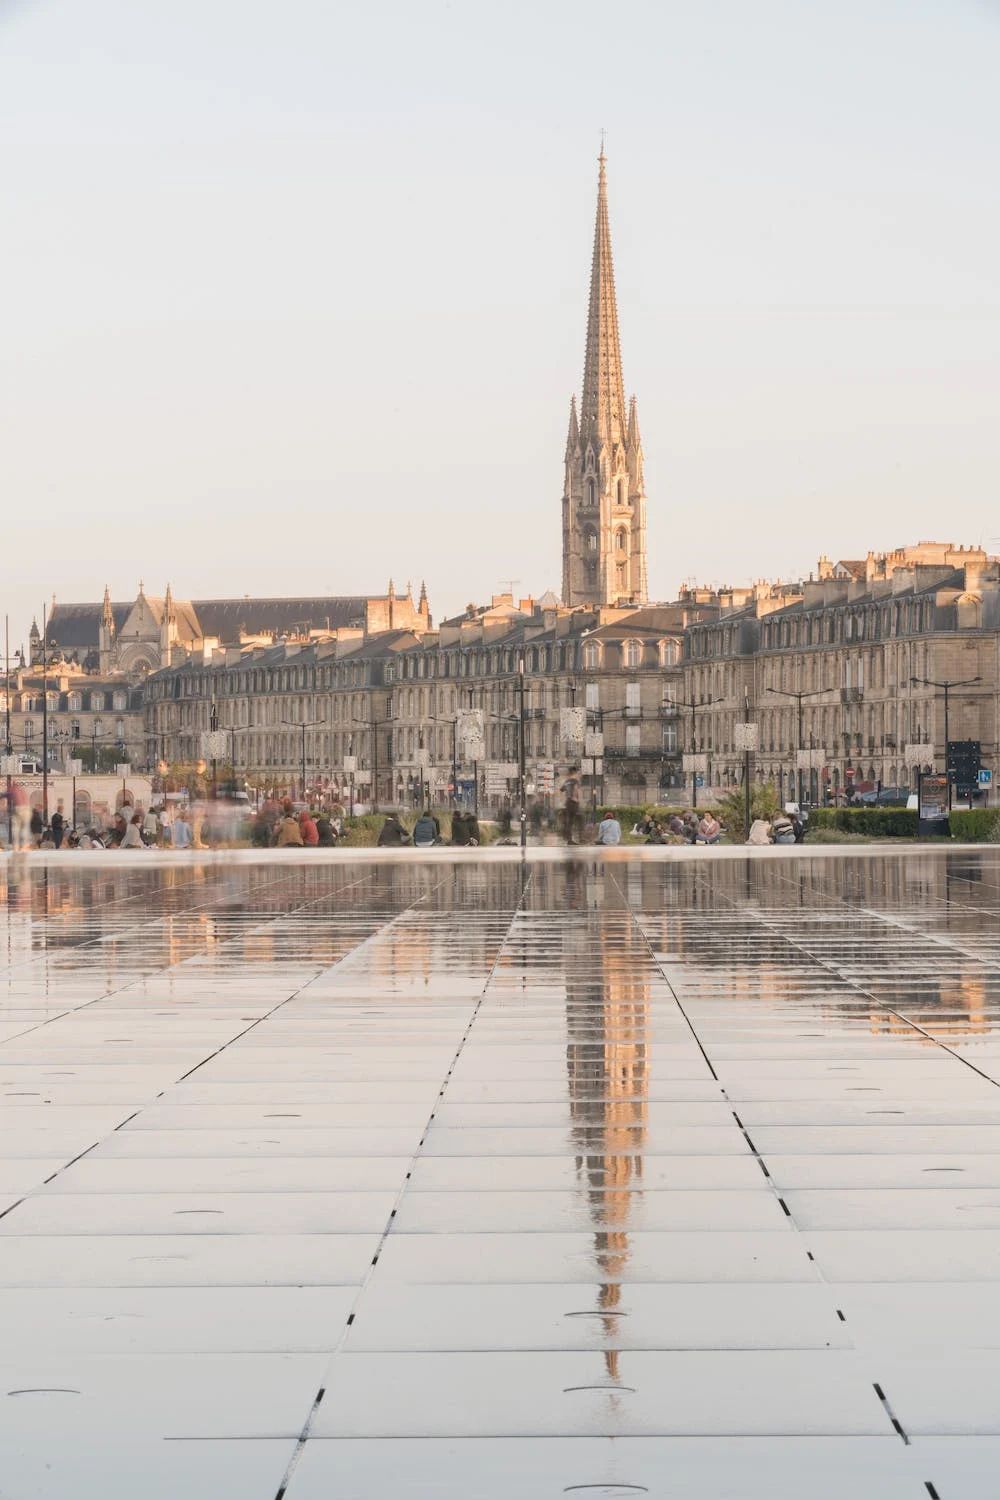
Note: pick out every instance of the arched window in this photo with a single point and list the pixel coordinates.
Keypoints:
(591, 491)
(670, 652)
(75, 702)
(119, 701)
(633, 653)
(622, 492)
(591, 655)
(621, 540)
(590, 539)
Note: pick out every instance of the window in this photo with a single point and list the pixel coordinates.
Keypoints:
(593, 698)
(74, 729)
(29, 729)
(74, 702)
(670, 738)
(119, 729)
(632, 704)
(119, 701)
(96, 702)
(670, 652)
(591, 655)
(590, 538)
(621, 540)
(632, 733)
(633, 654)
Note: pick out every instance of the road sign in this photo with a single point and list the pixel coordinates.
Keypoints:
(699, 781)
(985, 777)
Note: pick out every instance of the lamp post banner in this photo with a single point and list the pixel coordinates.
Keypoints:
(746, 736)
(573, 725)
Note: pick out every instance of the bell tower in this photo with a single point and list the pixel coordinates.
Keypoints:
(604, 497)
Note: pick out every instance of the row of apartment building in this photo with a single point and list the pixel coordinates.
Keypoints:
(849, 667)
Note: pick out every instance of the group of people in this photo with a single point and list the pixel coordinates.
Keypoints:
(277, 825)
(465, 831)
(680, 828)
(781, 829)
(131, 827)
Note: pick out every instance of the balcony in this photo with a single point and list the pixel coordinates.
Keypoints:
(852, 695)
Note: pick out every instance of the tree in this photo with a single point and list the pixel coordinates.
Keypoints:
(764, 803)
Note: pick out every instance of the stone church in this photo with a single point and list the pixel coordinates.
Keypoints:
(604, 497)
(152, 632)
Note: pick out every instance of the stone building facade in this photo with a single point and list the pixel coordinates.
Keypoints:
(852, 669)
(93, 717)
(390, 703)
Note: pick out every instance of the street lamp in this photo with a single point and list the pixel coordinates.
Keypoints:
(786, 693)
(303, 725)
(693, 704)
(946, 688)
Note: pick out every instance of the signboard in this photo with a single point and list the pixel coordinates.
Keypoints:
(545, 776)
(474, 747)
(350, 764)
(573, 725)
(123, 769)
(984, 777)
(918, 755)
(74, 768)
(593, 743)
(498, 773)
(593, 766)
(422, 756)
(746, 736)
(10, 765)
(933, 799)
(699, 781)
(695, 764)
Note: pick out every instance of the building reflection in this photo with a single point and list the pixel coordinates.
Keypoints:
(607, 970)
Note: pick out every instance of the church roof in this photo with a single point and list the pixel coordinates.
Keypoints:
(76, 626)
(226, 619)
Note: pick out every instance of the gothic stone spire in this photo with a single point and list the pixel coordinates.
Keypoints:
(604, 498)
(602, 409)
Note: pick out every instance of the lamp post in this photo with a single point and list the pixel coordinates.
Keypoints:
(303, 725)
(693, 704)
(521, 752)
(213, 727)
(946, 688)
(812, 693)
(8, 747)
(374, 725)
(45, 718)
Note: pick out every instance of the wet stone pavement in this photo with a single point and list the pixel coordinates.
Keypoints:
(462, 1177)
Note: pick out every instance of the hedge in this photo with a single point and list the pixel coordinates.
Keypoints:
(978, 825)
(875, 822)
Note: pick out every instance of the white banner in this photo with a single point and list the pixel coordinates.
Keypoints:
(123, 769)
(470, 726)
(592, 765)
(918, 755)
(573, 725)
(810, 760)
(214, 744)
(746, 736)
(697, 765)
(74, 768)
(350, 764)
(10, 765)
(593, 743)
(473, 748)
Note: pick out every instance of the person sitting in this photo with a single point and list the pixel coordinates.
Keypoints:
(609, 830)
(472, 829)
(690, 827)
(459, 828)
(392, 833)
(426, 831)
(310, 833)
(782, 829)
(132, 837)
(709, 829)
(289, 832)
(760, 832)
(324, 831)
(675, 826)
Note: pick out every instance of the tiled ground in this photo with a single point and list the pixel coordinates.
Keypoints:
(462, 1177)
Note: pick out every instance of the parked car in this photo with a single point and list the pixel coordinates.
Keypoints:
(893, 796)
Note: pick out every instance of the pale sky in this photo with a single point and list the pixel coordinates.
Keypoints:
(295, 295)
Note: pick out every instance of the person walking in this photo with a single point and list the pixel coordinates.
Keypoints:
(571, 806)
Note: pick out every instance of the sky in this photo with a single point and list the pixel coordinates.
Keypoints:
(295, 295)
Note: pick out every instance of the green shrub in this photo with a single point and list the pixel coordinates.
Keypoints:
(871, 822)
(978, 825)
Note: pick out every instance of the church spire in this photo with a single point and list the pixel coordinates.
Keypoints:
(602, 410)
(107, 614)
